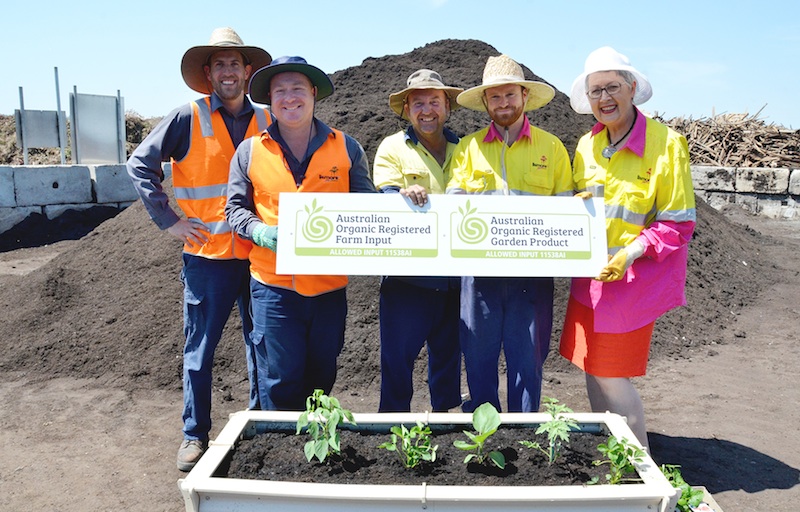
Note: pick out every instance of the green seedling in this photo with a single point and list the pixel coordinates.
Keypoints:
(689, 497)
(485, 420)
(620, 456)
(557, 429)
(414, 444)
(321, 419)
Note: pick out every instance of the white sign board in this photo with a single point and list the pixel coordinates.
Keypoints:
(452, 235)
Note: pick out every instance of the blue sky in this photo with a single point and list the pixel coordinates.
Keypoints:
(702, 57)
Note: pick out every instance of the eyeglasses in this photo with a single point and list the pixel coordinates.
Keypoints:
(612, 89)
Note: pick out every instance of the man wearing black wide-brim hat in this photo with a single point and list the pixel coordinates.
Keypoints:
(199, 139)
(298, 320)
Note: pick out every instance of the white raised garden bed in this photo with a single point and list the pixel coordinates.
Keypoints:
(205, 492)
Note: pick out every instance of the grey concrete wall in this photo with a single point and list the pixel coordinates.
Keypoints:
(51, 190)
(770, 192)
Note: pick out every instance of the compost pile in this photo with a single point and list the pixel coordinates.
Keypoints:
(109, 307)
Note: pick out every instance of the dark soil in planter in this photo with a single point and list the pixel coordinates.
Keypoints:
(279, 456)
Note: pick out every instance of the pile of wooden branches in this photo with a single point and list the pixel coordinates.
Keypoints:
(738, 140)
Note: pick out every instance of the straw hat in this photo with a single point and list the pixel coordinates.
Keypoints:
(423, 79)
(503, 70)
(259, 84)
(224, 38)
(606, 59)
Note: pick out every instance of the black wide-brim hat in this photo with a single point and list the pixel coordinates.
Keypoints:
(259, 84)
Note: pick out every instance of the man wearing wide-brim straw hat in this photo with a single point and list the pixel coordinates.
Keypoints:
(509, 157)
(419, 311)
(199, 139)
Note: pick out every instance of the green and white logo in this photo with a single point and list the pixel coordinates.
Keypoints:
(471, 229)
(317, 227)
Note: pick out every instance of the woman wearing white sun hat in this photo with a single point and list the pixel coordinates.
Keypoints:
(641, 169)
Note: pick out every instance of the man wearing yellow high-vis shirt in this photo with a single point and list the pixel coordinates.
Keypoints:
(510, 157)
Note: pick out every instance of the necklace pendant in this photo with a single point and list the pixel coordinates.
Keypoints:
(609, 151)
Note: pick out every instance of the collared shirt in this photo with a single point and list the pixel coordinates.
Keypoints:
(494, 133)
(536, 164)
(649, 197)
(402, 160)
(170, 140)
(240, 189)
(635, 142)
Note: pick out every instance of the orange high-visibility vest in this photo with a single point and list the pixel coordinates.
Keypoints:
(328, 171)
(200, 180)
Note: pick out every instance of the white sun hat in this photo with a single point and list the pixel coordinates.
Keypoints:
(502, 70)
(606, 59)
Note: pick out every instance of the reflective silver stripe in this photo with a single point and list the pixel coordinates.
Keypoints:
(596, 190)
(215, 228)
(689, 215)
(622, 213)
(207, 192)
(218, 228)
(568, 193)
(205, 118)
(518, 192)
(261, 119)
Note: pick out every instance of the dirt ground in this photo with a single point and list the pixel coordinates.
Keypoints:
(723, 409)
(90, 357)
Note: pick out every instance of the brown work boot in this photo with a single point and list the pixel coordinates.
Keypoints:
(189, 453)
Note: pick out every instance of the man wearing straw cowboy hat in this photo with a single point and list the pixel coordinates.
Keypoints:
(298, 320)
(414, 310)
(509, 157)
(199, 139)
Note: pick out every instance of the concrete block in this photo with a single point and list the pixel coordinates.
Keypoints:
(794, 182)
(112, 183)
(48, 185)
(714, 178)
(769, 207)
(7, 198)
(748, 201)
(762, 181)
(10, 217)
(717, 200)
(54, 210)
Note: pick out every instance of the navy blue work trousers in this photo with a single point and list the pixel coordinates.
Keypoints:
(515, 314)
(297, 340)
(210, 289)
(410, 317)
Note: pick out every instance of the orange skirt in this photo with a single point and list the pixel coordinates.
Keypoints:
(603, 354)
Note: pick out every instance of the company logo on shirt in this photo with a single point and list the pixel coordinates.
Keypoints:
(542, 165)
(645, 179)
(331, 176)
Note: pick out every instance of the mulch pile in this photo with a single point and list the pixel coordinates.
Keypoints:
(109, 307)
(738, 140)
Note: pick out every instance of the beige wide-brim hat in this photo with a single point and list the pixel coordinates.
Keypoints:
(502, 70)
(224, 38)
(423, 79)
(606, 59)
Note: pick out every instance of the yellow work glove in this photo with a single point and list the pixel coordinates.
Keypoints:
(583, 195)
(619, 263)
